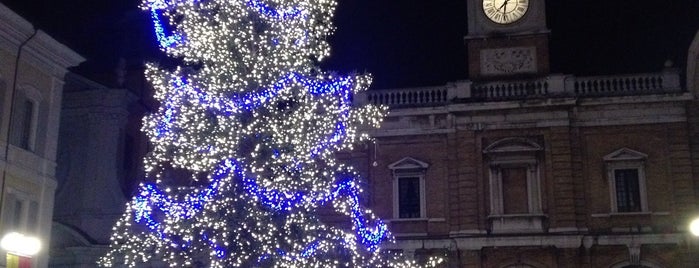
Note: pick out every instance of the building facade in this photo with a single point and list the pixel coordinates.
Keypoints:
(519, 167)
(32, 69)
(96, 156)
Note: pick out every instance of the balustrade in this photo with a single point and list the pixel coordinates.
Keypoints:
(549, 87)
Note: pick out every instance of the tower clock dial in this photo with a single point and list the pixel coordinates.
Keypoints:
(505, 11)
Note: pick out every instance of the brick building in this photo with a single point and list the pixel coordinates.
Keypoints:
(518, 167)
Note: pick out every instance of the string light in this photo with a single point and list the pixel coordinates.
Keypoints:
(251, 115)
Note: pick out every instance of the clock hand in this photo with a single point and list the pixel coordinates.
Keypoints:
(504, 4)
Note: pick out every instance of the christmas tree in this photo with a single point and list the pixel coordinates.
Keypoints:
(255, 122)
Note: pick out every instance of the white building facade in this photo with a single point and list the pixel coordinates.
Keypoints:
(32, 67)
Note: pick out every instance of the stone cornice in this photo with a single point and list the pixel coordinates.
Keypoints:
(13, 27)
(45, 47)
(42, 48)
(478, 242)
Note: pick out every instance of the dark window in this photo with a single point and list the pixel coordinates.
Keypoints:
(33, 217)
(409, 197)
(26, 126)
(514, 191)
(2, 99)
(22, 119)
(17, 214)
(628, 196)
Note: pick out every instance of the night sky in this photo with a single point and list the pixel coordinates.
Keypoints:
(407, 43)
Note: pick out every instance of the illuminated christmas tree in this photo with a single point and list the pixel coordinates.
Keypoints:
(256, 124)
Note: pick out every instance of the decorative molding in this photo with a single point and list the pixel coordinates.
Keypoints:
(513, 60)
(406, 220)
(512, 145)
(634, 254)
(629, 214)
(625, 154)
(469, 232)
(559, 241)
(409, 234)
(13, 27)
(416, 220)
(641, 263)
(408, 163)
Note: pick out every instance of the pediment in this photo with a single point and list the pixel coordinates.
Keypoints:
(625, 154)
(408, 163)
(512, 145)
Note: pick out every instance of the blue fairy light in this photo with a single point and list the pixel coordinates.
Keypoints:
(251, 112)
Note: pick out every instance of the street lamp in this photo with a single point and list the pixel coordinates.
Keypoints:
(20, 248)
(694, 227)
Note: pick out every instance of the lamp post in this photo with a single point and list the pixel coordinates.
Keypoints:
(20, 249)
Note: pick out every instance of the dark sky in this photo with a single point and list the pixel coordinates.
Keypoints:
(410, 42)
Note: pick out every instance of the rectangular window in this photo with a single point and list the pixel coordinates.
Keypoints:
(33, 217)
(627, 190)
(20, 213)
(23, 125)
(514, 188)
(409, 197)
(26, 127)
(17, 208)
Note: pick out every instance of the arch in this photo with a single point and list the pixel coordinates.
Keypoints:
(31, 92)
(643, 264)
(63, 235)
(513, 144)
(521, 264)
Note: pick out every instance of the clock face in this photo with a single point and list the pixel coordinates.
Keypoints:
(505, 11)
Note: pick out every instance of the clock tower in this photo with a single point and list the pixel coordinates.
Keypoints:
(507, 39)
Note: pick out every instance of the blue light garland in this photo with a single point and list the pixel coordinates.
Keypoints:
(171, 40)
(337, 86)
(164, 40)
(150, 196)
(255, 116)
(269, 12)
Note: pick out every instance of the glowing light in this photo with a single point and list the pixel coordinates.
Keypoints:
(257, 126)
(20, 244)
(694, 227)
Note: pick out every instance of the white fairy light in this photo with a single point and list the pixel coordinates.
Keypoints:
(251, 114)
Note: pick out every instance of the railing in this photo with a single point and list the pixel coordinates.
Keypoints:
(548, 87)
(425, 96)
(618, 85)
(511, 90)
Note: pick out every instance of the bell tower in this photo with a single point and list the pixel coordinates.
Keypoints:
(507, 39)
